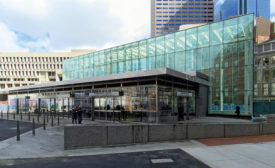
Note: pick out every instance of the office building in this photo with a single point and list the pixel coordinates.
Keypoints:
(230, 8)
(264, 78)
(25, 68)
(168, 15)
(198, 71)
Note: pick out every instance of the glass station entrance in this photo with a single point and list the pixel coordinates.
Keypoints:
(154, 99)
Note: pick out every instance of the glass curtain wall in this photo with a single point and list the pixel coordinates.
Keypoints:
(221, 50)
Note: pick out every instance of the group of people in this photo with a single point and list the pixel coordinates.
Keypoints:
(76, 115)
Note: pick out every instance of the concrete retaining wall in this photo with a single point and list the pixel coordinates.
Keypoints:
(242, 129)
(106, 135)
(197, 131)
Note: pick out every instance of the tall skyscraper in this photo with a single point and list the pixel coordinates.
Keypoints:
(168, 15)
(228, 8)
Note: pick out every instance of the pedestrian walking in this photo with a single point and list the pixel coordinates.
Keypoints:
(79, 114)
(238, 111)
(74, 115)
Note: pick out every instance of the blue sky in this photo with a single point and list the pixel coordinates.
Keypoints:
(62, 25)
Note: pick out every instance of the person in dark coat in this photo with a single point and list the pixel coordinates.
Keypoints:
(238, 111)
(79, 114)
(74, 115)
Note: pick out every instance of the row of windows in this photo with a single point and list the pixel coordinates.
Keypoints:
(32, 59)
(181, 16)
(183, 20)
(264, 89)
(187, 0)
(30, 73)
(19, 79)
(19, 73)
(184, 12)
(265, 61)
(168, 24)
(3, 86)
(32, 66)
(167, 28)
(265, 47)
(264, 75)
(182, 4)
(185, 8)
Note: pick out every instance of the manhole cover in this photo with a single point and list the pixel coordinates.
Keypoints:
(167, 160)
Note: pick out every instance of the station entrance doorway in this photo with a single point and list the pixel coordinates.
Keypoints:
(184, 106)
(107, 106)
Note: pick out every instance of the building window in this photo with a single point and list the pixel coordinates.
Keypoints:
(266, 75)
(256, 89)
(226, 92)
(265, 89)
(273, 73)
(266, 47)
(273, 60)
(265, 61)
(273, 89)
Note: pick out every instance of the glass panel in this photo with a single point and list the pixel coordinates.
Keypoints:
(160, 61)
(180, 61)
(230, 30)
(135, 65)
(128, 51)
(160, 45)
(245, 27)
(142, 49)
(216, 33)
(190, 60)
(121, 54)
(215, 55)
(128, 66)
(191, 38)
(170, 43)
(121, 67)
(144, 63)
(135, 50)
(152, 62)
(170, 60)
(151, 47)
(180, 41)
(114, 54)
(108, 56)
(101, 58)
(109, 69)
(203, 36)
(114, 68)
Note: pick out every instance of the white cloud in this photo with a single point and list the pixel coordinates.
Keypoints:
(31, 8)
(9, 40)
(70, 23)
(220, 2)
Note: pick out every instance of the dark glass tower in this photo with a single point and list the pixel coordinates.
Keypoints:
(228, 8)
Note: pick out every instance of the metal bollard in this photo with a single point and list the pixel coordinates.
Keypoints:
(44, 123)
(33, 127)
(13, 116)
(1, 114)
(52, 121)
(38, 118)
(29, 116)
(58, 119)
(21, 117)
(47, 117)
(18, 131)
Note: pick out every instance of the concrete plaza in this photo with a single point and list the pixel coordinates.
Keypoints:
(49, 143)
